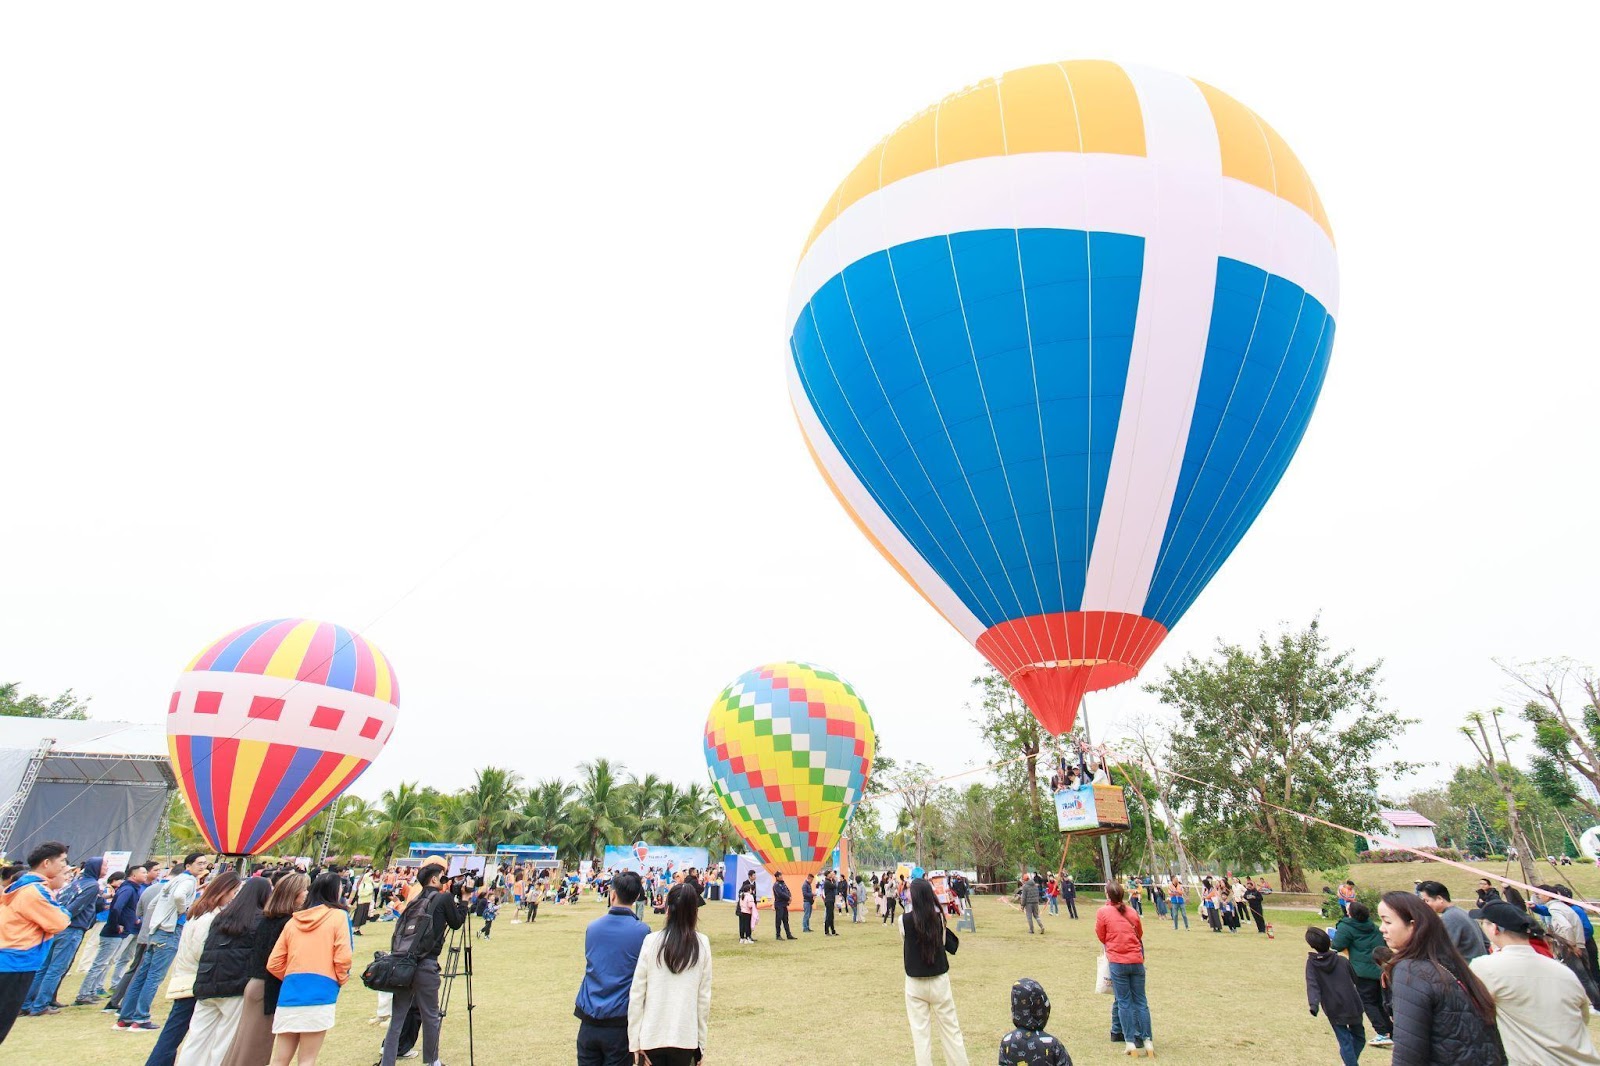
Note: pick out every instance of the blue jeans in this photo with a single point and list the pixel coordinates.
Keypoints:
(165, 1053)
(1127, 982)
(1055, 904)
(63, 949)
(1179, 908)
(1352, 1038)
(147, 979)
(94, 982)
(805, 918)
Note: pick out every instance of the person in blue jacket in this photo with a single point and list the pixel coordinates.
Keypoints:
(808, 897)
(81, 901)
(610, 953)
(122, 922)
(30, 918)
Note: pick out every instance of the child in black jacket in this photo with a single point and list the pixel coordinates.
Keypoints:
(1331, 986)
(1028, 1044)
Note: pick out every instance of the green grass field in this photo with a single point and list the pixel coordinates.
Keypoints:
(1215, 998)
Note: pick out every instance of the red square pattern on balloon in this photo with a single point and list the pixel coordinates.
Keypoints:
(207, 702)
(172, 708)
(370, 727)
(266, 707)
(326, 718)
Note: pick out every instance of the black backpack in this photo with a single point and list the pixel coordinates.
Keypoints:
(396, 969)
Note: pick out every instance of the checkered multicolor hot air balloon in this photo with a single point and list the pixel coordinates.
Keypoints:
(1053, 343)
(270, 723)
(789, 747)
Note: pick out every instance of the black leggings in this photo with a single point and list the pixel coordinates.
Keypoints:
(744, 926)
(888, 910)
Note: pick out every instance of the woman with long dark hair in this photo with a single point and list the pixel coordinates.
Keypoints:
(312, 959)
(670, 1005)
(926, 947)
(180, 987)
(222, 975)
(1443, 1015)
(1118, 927)
(252, 1041)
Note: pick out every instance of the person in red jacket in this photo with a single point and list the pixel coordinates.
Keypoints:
(1117, 926)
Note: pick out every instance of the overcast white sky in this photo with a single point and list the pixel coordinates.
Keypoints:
(306, 306)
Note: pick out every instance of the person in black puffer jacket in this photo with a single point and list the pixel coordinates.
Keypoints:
(222, 974)
(252, 1042)
(1443, 1015)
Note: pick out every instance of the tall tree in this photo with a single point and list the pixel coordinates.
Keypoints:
(1564, 711)
(1010, 729)
(543, 817)
(65, 706)
(1149, 740)
(918, 798)
(638, 798)
(486, 810)
(1496, 757)
(673, 818)
(597, 813)
(975, 830)
(1288, 723)
(402, 816)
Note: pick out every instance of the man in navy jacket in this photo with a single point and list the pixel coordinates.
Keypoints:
(122, 922)
(808, 897)
(780, 907)
(610, 952)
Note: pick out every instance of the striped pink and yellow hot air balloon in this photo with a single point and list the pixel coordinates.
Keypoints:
(272, 722)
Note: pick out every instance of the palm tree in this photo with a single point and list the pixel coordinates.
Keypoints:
(597, 815)
(401, 814)
(639, 797)
(673, 820)
(543, 817)
(352, 825)
(487, 810)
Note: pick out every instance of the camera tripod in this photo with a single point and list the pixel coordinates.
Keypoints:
(458, 960)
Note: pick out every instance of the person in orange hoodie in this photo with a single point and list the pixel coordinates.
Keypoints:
(312, 959)
(30, 918)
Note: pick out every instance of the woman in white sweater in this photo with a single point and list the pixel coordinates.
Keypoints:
(670, 1004)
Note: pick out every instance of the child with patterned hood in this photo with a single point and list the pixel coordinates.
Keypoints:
(1028, 1044)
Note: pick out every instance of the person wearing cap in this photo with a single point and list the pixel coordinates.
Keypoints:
(1541, 1007)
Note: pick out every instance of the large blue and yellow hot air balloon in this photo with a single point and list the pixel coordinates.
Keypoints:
(1053, 343)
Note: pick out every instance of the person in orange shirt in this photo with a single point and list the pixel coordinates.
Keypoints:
(312, 959)
(30, 918)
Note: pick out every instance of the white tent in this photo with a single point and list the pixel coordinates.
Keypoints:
(97, 786)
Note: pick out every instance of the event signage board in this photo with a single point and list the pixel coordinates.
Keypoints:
(1100, 807)
(653, 856)
(1075, 810)
(114, 862)
(420, 850)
